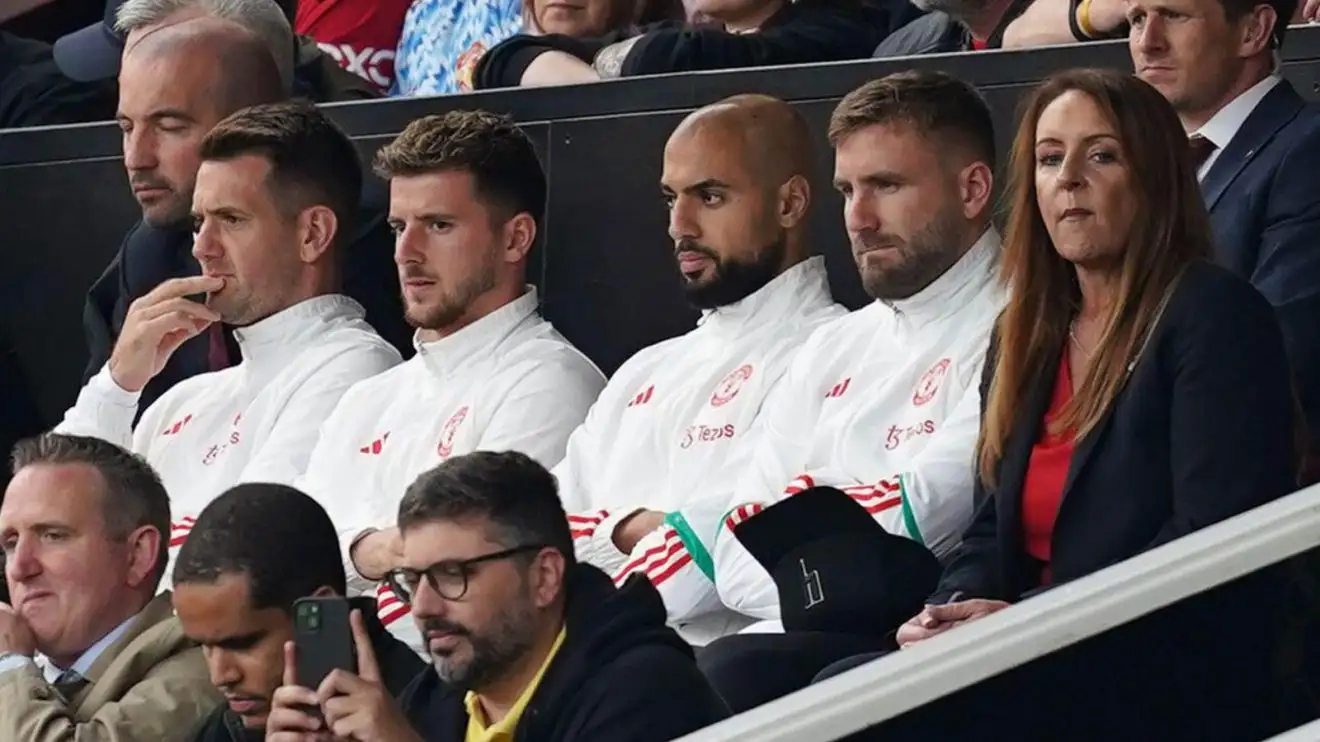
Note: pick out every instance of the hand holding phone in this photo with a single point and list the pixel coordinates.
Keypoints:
(322, 639)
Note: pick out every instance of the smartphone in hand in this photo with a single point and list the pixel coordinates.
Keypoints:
(322, 639)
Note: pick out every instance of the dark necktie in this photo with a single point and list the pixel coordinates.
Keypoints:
(1202, 148)
(69, 683)
(218, 355)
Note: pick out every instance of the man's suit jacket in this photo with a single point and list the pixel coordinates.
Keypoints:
(1264, 200)
(149, 256)
(150, 684)
(1202, 430)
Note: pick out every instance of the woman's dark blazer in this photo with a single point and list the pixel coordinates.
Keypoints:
(1203, 430)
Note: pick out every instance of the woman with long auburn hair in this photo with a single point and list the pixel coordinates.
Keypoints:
(1134, 392)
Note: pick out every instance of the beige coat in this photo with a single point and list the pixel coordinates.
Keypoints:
(150, 685)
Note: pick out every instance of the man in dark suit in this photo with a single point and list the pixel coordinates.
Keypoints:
(164, 116)
(1258, 144)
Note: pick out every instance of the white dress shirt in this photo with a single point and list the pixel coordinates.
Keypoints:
(1224, 125)
(81, 666)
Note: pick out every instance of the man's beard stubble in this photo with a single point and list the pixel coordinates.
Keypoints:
(731, 281)
(453, 304)
(494, 652)
(924, 257)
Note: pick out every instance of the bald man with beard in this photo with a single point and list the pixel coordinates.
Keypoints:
(679, 418)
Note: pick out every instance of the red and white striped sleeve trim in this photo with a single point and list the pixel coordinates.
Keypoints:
(876, 498)
(741, 513)
(583, 525)
(179, 530)
(389, 607)
(658, 563)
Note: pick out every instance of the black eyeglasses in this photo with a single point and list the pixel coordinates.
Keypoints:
(448, 578)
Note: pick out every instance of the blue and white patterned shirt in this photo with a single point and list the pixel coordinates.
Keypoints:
(442, 41)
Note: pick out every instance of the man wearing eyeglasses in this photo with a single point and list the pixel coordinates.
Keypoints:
(525, 641)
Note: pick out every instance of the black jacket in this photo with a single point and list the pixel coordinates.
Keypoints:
(399, 665)
(149, 256)
(802, 32)
(1202, 431)
(33, 91)
(621, 675)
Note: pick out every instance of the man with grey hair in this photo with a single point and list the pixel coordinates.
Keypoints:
(88, 652)
(93, 53)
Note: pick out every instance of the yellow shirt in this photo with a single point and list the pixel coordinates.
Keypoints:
(477, 731)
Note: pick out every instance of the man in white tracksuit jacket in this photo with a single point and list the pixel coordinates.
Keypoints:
(489, 374)
(275, 280)
(890, 394)
(883, 404)
(680, 418)
(893, 419)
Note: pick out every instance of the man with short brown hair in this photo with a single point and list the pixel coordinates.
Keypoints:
(467, 198)
(1258, 147)
(87, 653)
(889, 395)
(273, 198)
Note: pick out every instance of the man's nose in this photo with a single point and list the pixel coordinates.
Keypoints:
(859, 214)
(224, 671)
(23, 562)
(140, 151)
(682, 226)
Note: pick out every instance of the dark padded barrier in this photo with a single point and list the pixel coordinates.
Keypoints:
(605, 268)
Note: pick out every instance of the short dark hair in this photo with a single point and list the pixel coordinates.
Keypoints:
(517, 495)
(132, 495)
(500, 157)
(1234, 10)
(313, 162)
(933, 103)
(279, 538)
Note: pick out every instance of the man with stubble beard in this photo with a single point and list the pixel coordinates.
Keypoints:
(883, 404)
(170, 96)
(467, 197)
(678, 419)
(527, 643)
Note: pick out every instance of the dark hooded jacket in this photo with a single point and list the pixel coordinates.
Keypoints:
(621, 675)
(399, 665)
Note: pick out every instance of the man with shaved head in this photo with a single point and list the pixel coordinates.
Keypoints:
(676, 419)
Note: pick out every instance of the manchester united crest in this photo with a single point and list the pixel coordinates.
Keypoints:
(448, 432)
(929, 383)
(728, 387)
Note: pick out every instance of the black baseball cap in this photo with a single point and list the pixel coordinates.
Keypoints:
(92, 53)
(836, 569)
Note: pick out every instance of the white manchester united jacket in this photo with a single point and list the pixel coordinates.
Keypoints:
(254, 422)
(508, 381)
(679, 420)
(884, 405)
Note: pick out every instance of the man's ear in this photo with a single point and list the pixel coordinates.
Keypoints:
(143, 555)
(976, 187)
(794, 201)
(520, 235)
(1257, 29)
(548, 571)
(324, 591)
(317, 227)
